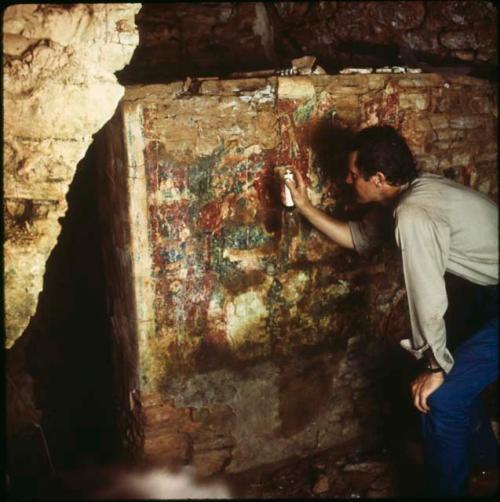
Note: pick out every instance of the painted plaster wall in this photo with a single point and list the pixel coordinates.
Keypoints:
(258, 338)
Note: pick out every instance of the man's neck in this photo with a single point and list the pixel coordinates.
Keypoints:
(391, 194)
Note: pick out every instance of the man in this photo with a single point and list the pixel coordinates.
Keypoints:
(443, 230)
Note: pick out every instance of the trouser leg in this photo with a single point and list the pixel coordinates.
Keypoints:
(447, 427)
(483, 443)
(446, 451)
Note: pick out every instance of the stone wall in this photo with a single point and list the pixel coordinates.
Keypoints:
(216, 38)
(114, 206)
(59, 89)
(258, 338)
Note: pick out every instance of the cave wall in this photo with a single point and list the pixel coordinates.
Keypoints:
(59, 89)
(210, 38)
(259, 339)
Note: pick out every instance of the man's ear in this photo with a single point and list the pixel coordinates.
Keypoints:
(378, 178)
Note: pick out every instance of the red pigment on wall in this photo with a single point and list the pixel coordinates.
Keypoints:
(388, 114)
(197, 298)
(178, 177)
(268, 187)
(210, 218)
(216, 337)
(300, 136)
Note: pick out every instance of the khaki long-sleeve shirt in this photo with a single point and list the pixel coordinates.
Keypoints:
(440, 226)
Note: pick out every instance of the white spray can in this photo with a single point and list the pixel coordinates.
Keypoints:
(288, 176)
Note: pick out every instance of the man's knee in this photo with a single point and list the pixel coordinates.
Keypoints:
(445, 400)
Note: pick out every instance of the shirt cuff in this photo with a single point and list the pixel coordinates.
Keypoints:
(418, 353)
(445, 360)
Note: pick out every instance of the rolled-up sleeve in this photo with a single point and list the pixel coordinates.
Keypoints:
(368, 233)
(359, 238)
(424, 241)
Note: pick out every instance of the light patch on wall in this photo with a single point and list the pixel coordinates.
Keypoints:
(294, 284)
(264, 95)
(340, 288)
(246, 319)
(314, 189)
(247, 259)
(252, 150)
(168, 192)
(296, 88)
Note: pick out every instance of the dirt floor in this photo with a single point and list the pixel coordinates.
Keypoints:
(323, 476)
(328, 475)
(373, 475)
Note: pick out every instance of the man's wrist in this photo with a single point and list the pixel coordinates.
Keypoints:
(437, 369)
(432, 365)
(307, 209)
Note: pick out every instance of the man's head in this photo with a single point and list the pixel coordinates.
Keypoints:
(380, 162)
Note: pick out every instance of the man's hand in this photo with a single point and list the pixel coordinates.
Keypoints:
(423, 386)
(337, 230)
(299, 191)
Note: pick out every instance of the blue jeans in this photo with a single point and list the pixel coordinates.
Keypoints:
(457, 432)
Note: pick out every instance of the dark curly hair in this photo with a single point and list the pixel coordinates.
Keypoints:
(383, 149)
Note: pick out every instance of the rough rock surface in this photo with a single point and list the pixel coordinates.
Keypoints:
(59, 89)
(203, 39)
